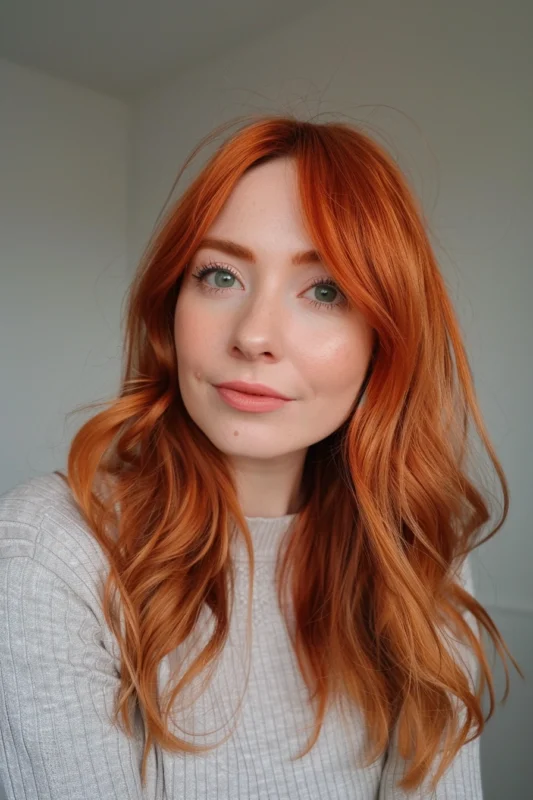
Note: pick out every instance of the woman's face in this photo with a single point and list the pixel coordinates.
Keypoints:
(257, 317)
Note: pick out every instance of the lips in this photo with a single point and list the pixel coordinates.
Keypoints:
(252, 388)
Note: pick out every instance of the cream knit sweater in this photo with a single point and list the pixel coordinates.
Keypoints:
(59, 670)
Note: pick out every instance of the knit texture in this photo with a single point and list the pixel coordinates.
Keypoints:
(60, 669)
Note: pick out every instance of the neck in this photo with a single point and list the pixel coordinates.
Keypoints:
(269, 488)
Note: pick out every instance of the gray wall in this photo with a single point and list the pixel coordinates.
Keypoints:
(64, 154)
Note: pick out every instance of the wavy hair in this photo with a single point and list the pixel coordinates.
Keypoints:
(390, 509)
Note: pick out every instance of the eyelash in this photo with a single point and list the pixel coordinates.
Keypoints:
(212, 266)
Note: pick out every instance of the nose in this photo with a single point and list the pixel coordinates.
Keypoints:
(258, 329)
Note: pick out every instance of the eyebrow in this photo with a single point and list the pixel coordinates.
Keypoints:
(239, 251)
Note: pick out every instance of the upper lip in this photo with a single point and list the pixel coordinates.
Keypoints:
(252, 388)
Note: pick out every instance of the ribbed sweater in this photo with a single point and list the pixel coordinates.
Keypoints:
(60, 669)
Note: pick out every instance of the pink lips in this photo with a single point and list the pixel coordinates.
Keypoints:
(250, 397)
(252, 388)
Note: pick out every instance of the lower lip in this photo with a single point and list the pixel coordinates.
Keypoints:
(250, 402)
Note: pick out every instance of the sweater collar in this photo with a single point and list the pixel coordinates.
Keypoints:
(266, 533)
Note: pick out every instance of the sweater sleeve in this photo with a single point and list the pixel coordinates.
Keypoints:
(462, 779)
(57, 690)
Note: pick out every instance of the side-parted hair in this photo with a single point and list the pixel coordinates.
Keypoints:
(390, 510)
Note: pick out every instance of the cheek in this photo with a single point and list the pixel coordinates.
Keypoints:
(191, 331)
(337, 364)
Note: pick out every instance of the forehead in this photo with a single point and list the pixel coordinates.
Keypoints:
(270, 185)
(263, 212)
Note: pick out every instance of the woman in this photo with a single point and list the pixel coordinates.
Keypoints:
(277, 505)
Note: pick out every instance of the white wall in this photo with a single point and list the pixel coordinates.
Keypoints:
(63, 261)
(459, 83)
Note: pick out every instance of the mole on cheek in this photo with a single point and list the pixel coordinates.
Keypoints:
(235, 433)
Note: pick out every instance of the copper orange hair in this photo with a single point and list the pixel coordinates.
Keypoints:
(390, 508)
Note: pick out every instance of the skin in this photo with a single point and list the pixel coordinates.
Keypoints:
(262, 326)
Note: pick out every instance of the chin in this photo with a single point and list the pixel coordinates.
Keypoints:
(236, 442)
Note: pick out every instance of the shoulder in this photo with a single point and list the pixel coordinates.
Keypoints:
(40, 520)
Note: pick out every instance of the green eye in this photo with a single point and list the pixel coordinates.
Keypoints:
(325, 291)
(226, 278)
